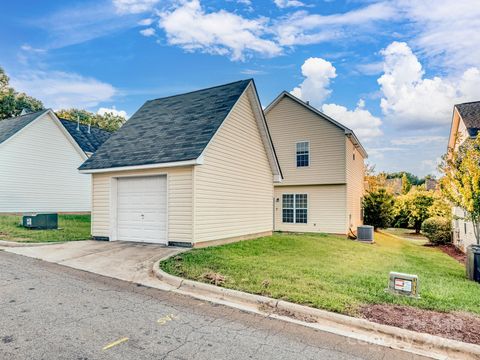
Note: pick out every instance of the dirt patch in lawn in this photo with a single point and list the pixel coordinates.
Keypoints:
(456, 325)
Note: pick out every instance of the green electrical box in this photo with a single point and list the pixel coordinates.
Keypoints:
(40, 221)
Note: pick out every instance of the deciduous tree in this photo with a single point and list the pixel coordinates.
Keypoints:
(108, 121)
(461, 180)
(12, 102)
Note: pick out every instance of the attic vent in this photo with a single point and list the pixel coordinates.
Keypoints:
(24, 112)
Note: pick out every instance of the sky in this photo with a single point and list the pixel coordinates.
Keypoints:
(389, 70)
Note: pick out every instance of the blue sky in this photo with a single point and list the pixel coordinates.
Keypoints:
(390, 70)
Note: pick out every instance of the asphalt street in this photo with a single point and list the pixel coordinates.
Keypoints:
(48, 311)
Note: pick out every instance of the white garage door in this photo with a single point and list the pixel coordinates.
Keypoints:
(142, 209)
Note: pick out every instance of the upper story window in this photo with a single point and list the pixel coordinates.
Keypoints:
(303, 153)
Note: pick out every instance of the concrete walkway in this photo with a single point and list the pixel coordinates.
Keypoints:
(122, 260)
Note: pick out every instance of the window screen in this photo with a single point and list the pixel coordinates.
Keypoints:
(295, 208)
(303, 154)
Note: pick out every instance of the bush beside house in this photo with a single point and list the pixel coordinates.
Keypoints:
(438, 230)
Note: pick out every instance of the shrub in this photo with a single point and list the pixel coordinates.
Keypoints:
(438, 230)
(378, 208)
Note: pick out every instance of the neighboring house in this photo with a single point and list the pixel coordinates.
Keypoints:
(322, 164)
(465, 124)
(187, 170)
(395, 185)
(39, 158)
(431, 184)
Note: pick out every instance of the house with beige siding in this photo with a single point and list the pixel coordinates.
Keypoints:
(188, 170)
(465, 125)
(322, 164)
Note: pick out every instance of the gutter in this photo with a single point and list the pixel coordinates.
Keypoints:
(197, 161)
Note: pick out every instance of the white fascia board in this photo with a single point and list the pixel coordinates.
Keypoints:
(141, 167)
(67, 134)
(264, 132)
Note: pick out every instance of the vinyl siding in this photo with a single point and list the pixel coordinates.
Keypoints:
(355, 185)
(179, 195)
(289, 123)
(461, 238)
(458, 131)
(326, 208)
(38, 171)
(234, 186)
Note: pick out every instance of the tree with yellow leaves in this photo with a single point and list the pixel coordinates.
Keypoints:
(461, 180)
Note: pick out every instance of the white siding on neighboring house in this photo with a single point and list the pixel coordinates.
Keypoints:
(463, 235)
(38, 171)
(234, 186)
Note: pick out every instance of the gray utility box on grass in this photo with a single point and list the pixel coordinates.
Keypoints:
(365, 233)
(404, 284)
(473, 263)
(40, 221)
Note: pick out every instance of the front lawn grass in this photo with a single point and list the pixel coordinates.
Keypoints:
(332, 272)
(71, 227)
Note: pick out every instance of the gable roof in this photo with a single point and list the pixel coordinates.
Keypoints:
(10, 126)
(348, 132)
(470, 114)
(89, 141)
(168, 130)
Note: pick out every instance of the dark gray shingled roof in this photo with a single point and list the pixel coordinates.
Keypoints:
(10, 126)
(170, 129)
(88, 141)
(470, 113)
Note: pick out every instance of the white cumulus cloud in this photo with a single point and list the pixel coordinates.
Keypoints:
(112, 110)
(409, 99)
(148, 32)
(59, 90)
(360, 120)
(318, 73)
(288, 3)
(146, 22)
(315, 88)
(220, 32)
(133, 6)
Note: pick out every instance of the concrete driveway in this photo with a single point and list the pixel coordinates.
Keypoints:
(129, 261)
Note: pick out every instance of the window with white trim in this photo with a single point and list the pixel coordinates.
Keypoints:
(294, 208)
(303, 153)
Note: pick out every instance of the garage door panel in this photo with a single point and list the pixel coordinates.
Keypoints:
(142, 209)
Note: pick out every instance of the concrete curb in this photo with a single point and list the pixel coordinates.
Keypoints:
(8, 244)
(356, 328)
